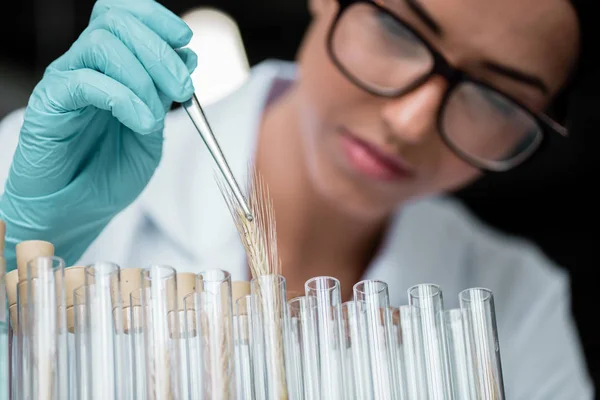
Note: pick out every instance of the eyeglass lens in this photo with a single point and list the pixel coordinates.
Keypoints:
(382, 54)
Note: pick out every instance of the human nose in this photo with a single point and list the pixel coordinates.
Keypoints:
(412, 117)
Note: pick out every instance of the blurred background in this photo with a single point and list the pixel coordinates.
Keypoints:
(550, 201)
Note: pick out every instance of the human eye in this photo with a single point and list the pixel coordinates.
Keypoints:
(394, 28)
(498, 102)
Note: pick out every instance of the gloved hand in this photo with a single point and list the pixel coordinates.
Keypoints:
(92, 133)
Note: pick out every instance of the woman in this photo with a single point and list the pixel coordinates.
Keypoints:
(392, 104)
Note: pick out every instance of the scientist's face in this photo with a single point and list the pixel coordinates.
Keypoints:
(386, 121)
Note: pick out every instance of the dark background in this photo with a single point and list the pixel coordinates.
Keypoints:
(549, 201)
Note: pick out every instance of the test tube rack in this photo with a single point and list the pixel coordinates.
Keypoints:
(106, 332)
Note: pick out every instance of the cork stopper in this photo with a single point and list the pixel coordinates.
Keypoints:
(12, 279)
(133, 323)
(131, 279)
(2, 236)
(23, 291)
(239, 289)
(28, 250)
(74, 278)
(186, 284)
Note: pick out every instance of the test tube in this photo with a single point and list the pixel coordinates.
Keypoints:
(243, 376)
(216, 321)
(373, 305)
(131, 280)
(135, 330)
(74, 278)
(161, 333)
(193, 348)
(303, 360)
(4, 331)
(416, 379)
(47, 327)
(244, 342)
(327, 293)
(83, 345)
(357, 376)
(23, 359)
(429, 326)
(25, 252)
(457, 354)
(186, 285)
(105, 322)
(398, 339)
(12, 279)
(483, 350)
(270, 306)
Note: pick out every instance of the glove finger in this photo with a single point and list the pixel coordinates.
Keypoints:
(102, 51)
(93, 88)
(168, 71)
(68, 91)
(45, 160)
(191, 61)
(189, 58)
(158, 18)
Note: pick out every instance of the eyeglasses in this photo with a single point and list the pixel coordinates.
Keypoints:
(385, 56)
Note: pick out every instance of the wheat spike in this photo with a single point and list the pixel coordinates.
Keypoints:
(259, 238)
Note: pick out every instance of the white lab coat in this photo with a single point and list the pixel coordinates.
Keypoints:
(181, 220)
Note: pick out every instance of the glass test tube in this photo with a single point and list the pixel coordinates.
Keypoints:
(105, 324)
(4, 332)
(22, 359)
(216, 320)
(240, 289)
(193, 347)
(270, 306)
(428, 311)
(74, 278)
(400, 360)
(244, 342)
(372, 301)
(47, 326)
(134, 327)
(186, 285)
(303, 360)
(11, 280)
(83, 351)
(416, 380)
(161, 333)
(327, 293)
(357, 376)
(457, 354)
(483, 349)
(130, 281)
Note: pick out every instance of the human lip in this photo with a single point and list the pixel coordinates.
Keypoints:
(372, 161)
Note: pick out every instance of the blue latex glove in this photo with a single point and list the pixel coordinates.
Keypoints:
(92, 134)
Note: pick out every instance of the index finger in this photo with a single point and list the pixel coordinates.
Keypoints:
(158, 18)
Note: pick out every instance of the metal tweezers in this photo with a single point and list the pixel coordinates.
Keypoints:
(196, 114)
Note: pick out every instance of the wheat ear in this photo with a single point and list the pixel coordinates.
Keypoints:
(259, 238)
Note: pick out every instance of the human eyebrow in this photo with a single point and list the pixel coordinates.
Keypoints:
(509, 72)
(425, 17)
(517, 75)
